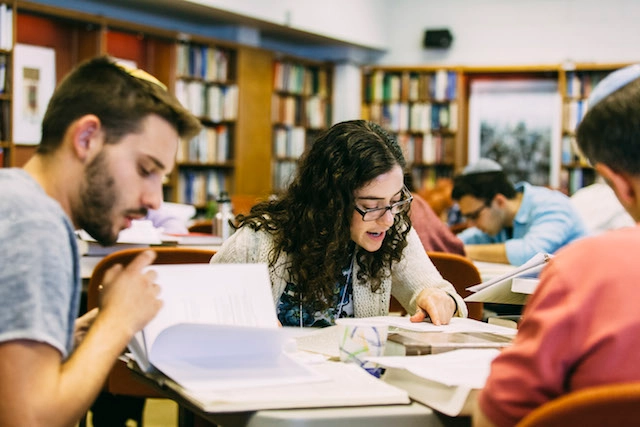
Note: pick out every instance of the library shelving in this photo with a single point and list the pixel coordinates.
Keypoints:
(576, 82)
(420, 106)
(301, 109)
(228, 86)
(7, 35)
(205, 83)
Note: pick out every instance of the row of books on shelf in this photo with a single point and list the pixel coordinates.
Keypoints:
(6, 27)
(312, 112)
(289, 142)
(300, 79)
(5, 120)
(283, 173)
(382, 86)
(426, 178)
(418, 117)
(211, 145)
(4, 66)
(202, 62)
(427, 148)
(215, 102)
(570, 153)
(572, 114)
(580, 83)
(197, 187)
(573, 179)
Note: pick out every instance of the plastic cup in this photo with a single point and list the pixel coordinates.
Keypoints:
(359, 339)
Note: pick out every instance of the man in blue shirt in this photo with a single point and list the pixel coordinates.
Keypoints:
(510, 224)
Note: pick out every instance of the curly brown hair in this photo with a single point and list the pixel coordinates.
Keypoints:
(310, 220)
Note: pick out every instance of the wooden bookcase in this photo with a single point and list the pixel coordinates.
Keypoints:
(576, 82)
(7, 36)
(238, 78)
(301, 109)
(73, 37)
(253, 137)
(421, 107)
(206, 83)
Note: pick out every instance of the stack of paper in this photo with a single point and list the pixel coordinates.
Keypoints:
(446, 382)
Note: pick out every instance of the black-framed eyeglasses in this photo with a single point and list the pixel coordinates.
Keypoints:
(473, 216)
(395, 208)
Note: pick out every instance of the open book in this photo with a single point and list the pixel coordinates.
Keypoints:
(217, 329)
(446, 382)
(216, 342)
(512, 287)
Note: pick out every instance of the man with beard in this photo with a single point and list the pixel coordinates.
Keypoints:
(109, 136)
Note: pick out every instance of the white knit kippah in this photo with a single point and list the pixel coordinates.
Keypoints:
(482, 165)
(613, 82)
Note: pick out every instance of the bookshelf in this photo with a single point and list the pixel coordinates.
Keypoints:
(7, 35)
(576, 82)
(301, 109)
(420, 106)
(205, 83)
(187, 65)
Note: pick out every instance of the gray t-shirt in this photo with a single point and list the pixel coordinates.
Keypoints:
(40, 281)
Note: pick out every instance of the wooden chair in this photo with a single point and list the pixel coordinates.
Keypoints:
(458, 270)
(120, 381)
(604, 405)
(462, 273)
(202, 226)
(242, 203)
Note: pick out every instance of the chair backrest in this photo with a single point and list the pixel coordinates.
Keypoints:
(202, 226)
(120, 381)
(603, 405)
(242, 203)
(462, 273)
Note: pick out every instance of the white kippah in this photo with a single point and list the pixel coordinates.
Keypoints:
(482, 165)
(613, 82)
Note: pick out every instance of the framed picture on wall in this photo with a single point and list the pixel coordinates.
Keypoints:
(34, 73)
(517, 124)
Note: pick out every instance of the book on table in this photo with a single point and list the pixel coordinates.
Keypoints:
(447, 382)
(216, 342)
(512, 287)
(411, 343)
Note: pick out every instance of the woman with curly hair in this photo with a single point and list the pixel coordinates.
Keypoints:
(339, 241)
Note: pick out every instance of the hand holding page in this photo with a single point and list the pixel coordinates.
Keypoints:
(217, 329)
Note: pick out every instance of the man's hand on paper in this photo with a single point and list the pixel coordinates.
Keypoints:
(129, 295)
(435, 304)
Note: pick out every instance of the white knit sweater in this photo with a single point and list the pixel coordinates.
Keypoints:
(414, 272)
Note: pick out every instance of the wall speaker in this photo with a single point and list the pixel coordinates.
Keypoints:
(440, 38)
